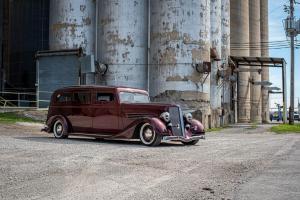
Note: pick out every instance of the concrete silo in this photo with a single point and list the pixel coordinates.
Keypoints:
(123, 42)
(225, 13)
(239, 36)
(254, 28)
(72, 25)
(180, 39)
(216, 44)
(264, 24)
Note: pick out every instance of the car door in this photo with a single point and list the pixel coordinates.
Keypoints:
(81, 118)
(106, 113)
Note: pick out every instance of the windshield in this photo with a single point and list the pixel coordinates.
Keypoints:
(131, 97)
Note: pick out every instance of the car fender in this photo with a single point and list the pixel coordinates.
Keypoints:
(159, 126)
(132, 131)
(197, 126)
(51, 120)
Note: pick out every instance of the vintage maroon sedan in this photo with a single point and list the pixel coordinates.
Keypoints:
(119, 113)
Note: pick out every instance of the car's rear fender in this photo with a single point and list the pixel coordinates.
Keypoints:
(51, 120)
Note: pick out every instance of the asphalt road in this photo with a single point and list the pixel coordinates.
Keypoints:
(238, 163)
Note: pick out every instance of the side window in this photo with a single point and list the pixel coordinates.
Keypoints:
(104, 97)
(82, 97)
(64, 98)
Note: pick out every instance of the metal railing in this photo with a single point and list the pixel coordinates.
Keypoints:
(9, 99)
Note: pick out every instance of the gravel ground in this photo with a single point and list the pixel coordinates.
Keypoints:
(237, 163)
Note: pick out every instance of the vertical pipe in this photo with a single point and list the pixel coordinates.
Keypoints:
(96, 29)
(264, 24)
(215, 38)
(292, 97)
(149, 43)
(284, 92)
(255, 34)
(239, 36)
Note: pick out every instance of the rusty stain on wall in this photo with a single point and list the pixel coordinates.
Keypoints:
(179, 37)
(72, 25)
(123, 42)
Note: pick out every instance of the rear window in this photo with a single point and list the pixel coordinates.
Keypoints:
(64, 97)
(82, 97)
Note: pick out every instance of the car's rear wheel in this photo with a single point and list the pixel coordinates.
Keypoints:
(191, 143)
(148, 136)
(60, 129)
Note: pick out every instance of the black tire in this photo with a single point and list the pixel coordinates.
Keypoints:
(60, 129)
(194, 142)
(148, 136)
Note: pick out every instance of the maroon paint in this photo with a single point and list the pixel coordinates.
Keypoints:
(111, 119)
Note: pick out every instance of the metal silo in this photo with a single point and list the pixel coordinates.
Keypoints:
(225, 13)
(72, 25)
(239, 36)
(254, 28)
(180, 39)
(216, 44)
(123, 42)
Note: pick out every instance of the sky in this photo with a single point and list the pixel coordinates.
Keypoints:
(277, 33)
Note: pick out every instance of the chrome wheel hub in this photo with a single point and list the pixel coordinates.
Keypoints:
(59, 129)
(148, 134)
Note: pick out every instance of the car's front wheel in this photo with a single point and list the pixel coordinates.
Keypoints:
(148, 136)
(60, 129)
(191, 143)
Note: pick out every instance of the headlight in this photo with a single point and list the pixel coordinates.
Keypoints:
(165, 116)
(188, 117)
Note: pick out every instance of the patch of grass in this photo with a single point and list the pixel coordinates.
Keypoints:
(253, 126)
(214, 129)
(10, 118)
(286, 128)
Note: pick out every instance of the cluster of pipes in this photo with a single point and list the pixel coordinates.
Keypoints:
(177, 50)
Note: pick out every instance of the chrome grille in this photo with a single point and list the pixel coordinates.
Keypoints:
(177, 121)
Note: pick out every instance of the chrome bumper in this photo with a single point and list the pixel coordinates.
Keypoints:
(183, 139)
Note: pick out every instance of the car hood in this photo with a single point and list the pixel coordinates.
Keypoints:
(147, 109)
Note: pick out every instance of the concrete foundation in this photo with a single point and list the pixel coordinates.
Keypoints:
(254, 12)
(264, 24)
(239, 27)
(180, 39)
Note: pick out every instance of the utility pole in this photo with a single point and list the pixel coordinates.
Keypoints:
(291, 121)
(290, 27)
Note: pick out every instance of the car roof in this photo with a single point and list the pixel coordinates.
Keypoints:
(119, 88)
